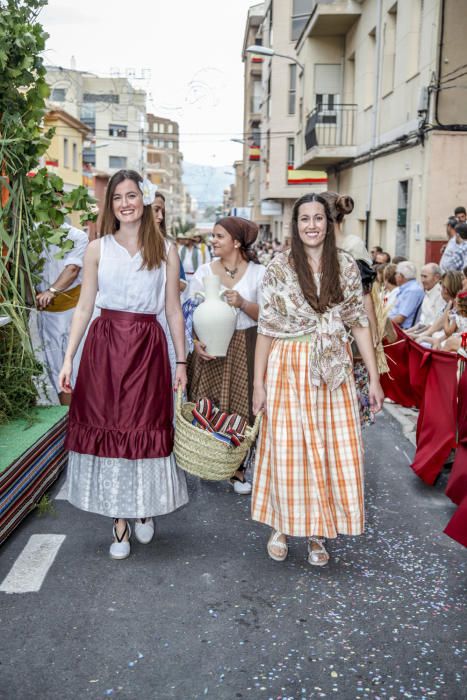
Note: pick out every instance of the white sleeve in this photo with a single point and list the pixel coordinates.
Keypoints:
(80, 240)
(259, 280)
(196, 282)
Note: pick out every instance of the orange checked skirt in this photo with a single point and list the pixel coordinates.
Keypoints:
(309, 463)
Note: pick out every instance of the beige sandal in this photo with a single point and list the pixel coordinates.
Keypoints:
(317, 557)
(274, 541)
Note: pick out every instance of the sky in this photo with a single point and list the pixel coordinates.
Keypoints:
(185, 53)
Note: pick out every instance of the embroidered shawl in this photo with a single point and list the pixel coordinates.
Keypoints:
(285, 313)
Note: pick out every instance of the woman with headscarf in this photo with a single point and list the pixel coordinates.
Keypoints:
(228, 381)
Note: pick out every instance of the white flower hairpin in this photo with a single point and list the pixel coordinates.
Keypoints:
(148, 190)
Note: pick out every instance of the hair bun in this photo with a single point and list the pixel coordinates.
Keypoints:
(345, 203)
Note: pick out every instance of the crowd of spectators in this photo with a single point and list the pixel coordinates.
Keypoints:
(266, 250)
(427, 310)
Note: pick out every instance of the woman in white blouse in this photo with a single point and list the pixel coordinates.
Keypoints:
(228, 381)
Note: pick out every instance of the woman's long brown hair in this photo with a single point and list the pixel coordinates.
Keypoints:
(150, 238)
(330, 292)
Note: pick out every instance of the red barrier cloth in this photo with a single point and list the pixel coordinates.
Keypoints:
(456, 489)
(437, 420)
(457, 526)
(396, 383)
(426, 379)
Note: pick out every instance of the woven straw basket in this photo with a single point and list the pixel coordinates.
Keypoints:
(201, 454)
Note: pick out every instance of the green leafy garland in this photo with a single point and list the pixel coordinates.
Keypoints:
(33, 204)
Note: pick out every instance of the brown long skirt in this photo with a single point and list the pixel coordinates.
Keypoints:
(227, 381)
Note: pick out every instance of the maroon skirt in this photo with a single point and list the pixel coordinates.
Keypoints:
(122, 403)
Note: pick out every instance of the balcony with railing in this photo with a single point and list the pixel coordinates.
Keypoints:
(332, 17)
(329, 135)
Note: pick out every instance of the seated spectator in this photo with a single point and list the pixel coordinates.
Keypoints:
(410, 296)
(399, 258)
(391, 290)
(382, 258)
(454, 326)
(451, 285)
(433, 302)
(450, 259)
(454, 343)
(460, 214)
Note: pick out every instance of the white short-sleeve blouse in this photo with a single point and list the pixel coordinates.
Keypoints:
(124, 284)
(248, 286)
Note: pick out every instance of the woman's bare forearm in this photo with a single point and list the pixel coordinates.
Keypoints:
(369, 307)
(251, 309)
(263, 346)
(364, 342)
(81, 318)
(177, 331)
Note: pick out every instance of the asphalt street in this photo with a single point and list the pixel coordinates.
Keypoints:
(202, 612)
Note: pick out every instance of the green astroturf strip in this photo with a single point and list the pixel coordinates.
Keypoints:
(17, 436)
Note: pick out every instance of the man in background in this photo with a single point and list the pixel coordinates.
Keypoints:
(190, 254)
(449, 258)
(460, 214)
(410, 297)
(433, 303)
(56, 298)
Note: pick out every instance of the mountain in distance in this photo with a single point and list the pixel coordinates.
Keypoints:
(207, 183)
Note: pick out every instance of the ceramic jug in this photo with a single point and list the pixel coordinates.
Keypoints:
(214, 320)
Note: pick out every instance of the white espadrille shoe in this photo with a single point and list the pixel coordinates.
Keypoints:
(120, 548)
(144, 530)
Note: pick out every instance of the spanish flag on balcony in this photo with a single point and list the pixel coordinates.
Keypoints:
(254, 153)
(305, 177)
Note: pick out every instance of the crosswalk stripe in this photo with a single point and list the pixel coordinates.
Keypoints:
(30, 569)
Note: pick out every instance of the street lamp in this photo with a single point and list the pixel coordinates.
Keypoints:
(266, 51)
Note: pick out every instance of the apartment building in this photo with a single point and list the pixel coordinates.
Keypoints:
(384, 106)
(64, 155)
(164, 163)
(247, 171)
(112, 109)
(270, 114)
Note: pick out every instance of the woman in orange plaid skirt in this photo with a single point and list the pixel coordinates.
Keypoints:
(309, 467)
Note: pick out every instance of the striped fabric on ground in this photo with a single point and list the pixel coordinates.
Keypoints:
(24, 482)
(309, 463)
